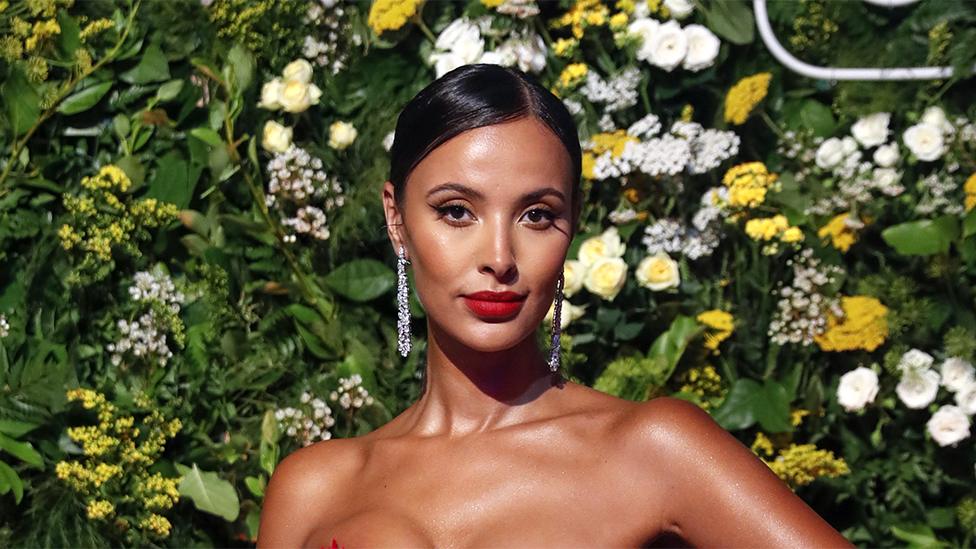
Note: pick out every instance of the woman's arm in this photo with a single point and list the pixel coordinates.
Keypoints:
(718, 492)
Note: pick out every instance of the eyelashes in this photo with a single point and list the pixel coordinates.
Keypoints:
(454, 215)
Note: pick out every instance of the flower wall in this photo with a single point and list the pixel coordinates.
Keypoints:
(195, 280)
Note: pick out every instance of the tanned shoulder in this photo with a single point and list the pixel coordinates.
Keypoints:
(305, 491)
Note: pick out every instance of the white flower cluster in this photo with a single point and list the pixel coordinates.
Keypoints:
(617, 93)
(520, 9)
(144, 339)
(928, 140)
(462, 43)
(309, 421)
(688, 146)
(330, 22)
(919, 386)
(938, 195)
(158, 286)
(351, 393)
(293, 91)
(669, 235)
(620, 217)
(801, 312)
(4, 326)
(668, 45)
(295, 178)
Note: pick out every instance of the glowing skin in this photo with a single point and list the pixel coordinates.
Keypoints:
(496, 452)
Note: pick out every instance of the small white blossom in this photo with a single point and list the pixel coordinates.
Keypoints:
(948, 426)
(957, 374)
(917, 388)
(857, 389)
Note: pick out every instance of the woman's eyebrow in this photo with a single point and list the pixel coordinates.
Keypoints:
(464, 189)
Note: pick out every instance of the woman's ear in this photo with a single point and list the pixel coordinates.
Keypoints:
(394, 218)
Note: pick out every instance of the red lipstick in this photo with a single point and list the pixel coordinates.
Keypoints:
(494, 305)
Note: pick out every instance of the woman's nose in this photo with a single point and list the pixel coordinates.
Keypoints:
(498, 253)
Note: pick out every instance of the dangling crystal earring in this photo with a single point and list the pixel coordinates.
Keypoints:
(403, 305)
(557, 326)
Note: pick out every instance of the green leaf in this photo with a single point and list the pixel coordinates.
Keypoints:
(69, 39)
(85, 99)
(151, 68)
(916, 535)
(242, 64)
(732, 20)
(207, 135)
(361, 279)
(969, 224)
(925, 237)
(749, 402)
(21, 100)
(169, 90)
(174, 180)
(16, 428)
(672, 344)
(10, 481)
(255, 485)
(817, 117)
(21, 450)
(209, 493)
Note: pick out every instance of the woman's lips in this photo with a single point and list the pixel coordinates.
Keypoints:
(494, 305)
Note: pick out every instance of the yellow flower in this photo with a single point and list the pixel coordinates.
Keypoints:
(626, 6)
(614, 142)
(658, 272)
(863, 326)
(588, 162)
(721, 322)
(387, 15)
(705, 383)
(99, 509)
(583, 14)
(970, 189)
(841, 234)
(687, 112)
(792, 234)
(158, 525)
(801, 464)
(619, 21)
(797, 415)
(748, 183)
(492, 3)
(564, 47)
(762, 444)
(95, 27)
(744, 96)
(572, 75)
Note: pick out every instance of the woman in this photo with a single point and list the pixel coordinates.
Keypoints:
(483, 201)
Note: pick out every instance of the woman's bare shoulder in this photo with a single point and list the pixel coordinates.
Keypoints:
(306, 489)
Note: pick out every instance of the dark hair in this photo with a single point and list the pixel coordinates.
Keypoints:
(473, 96)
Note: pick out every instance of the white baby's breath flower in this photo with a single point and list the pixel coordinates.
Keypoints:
(872, 130)
(703, 48)
(668, 46)
(957, 374)
(857, 389)
(917, 389)
(658, 272)
(948, 426)
(925, 141)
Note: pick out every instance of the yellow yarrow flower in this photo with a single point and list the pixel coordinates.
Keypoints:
(747, 184)
(721, 322)
(564, 47)
(626, 6)
(744, 96)
(387, 15)
(762, 445)
(619, 21)
(863, 326)
(584, 13)
(801, 464)
(842, 235)
(969, 187)
(572, 75)
(98, 509)
(614, 142)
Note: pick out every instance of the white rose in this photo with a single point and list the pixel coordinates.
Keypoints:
(703, 48)
(388, 140)
(644, 29)
(925, 141)
(341, 135)
(275, 137)
(917, 389)
(573, 273)
(299, 69)
(857, 389)
(445, 63)
(915, 360)
(872, 130)
(948, 425)
(463, 39)
(607, 244)
(531, 53)
(679, 8)
(848, 145)
(668, 46)
(606, 277)
(298, 96)
(966, 398)
(271, 94)
(957, 374)
(567, 314)
(830, 153)
(935, 116)
(504, 56)
(887, 156)
(658, 272)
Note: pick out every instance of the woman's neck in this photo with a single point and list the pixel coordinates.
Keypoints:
(468, 392)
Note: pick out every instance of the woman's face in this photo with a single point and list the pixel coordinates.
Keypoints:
(486, 220)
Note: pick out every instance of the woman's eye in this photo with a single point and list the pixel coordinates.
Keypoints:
(538, 215)
(453, 212)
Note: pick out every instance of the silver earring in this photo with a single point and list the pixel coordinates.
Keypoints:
(403, 305)
(557, 326)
